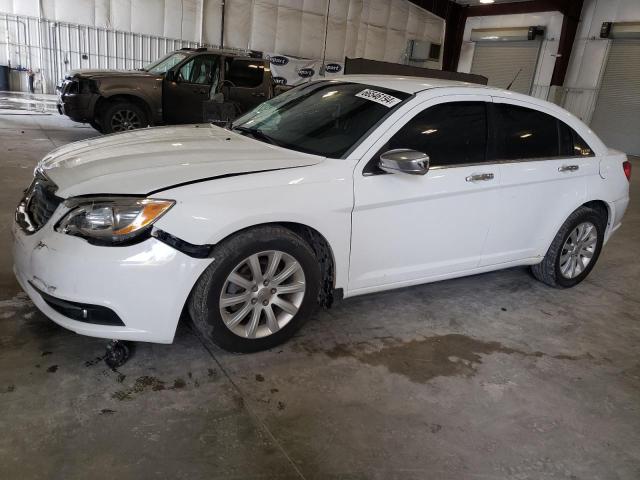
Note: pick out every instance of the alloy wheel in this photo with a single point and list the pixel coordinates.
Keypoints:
(578, 250)
(123, 120)
(262, 294)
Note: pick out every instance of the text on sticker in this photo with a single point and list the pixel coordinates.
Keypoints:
(379, 97)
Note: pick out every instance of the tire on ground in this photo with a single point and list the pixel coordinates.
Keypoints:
(548, 271)
(203, 303)
(96, 126)
(112, 112)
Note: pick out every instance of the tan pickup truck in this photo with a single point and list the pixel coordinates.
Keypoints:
(191, 85)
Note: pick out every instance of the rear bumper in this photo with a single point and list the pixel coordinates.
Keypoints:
(145, 285)
(617, 210)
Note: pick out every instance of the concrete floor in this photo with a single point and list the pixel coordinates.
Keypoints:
(491, 377)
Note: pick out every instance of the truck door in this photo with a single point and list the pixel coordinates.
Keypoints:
(188, 87)
(246, 83)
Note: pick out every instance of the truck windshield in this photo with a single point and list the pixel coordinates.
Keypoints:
(323, 118)
(160, 67)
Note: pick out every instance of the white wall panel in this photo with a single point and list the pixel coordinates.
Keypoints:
(263, 19)
(552, 21)
(212, 11)
(589, 55)
(356, 27)
(127, 33)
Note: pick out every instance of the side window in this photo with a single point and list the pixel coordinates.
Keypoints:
(450, 133)
(522, 133)
(245, 73)
(572, 144)
(202, 70)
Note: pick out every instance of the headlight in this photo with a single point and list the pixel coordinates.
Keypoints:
(111, 220)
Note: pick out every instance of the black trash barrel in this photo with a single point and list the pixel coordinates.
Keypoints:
(4, 77)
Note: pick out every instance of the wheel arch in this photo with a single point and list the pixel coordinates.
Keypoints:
(106, 100)
(603, 207)
(321, 247)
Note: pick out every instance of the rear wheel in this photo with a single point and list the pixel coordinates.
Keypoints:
(123, 116)
(262, 286)
(574, 251)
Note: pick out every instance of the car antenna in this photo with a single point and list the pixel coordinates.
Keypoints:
(514, 79)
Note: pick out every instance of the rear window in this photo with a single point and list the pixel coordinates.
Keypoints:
(522, 133)
(572, 144)
(245, 73)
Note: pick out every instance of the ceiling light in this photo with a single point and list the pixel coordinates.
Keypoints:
(487, 1)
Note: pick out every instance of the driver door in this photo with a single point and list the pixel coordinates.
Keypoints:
(408, 229)
(186, 90)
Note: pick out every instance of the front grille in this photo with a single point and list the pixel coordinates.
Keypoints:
(38, 204)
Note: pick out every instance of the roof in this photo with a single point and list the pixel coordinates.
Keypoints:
(220, 51)
(405, 83)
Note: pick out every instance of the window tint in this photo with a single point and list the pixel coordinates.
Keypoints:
(524, 133)
(450, 133)
(572, 144)
(203, 70)
(243, 73)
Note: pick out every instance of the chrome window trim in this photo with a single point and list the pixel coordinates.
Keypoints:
(493, 162)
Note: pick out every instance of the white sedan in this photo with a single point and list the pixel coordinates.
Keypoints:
(335, 188)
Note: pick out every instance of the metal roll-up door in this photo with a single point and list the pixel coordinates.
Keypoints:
(616, 118)
(501, 61)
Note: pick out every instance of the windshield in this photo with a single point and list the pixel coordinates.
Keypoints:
(160, 67)
(324, 118)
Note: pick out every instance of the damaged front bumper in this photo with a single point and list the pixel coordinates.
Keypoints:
(145, 285)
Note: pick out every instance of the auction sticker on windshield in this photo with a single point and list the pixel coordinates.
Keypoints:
(379, 97)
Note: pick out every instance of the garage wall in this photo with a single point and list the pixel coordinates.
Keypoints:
(179, 19)
(375, 29)
(54, 36)
(590, 52)
(552, 21)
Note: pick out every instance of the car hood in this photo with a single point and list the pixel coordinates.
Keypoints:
(101, 73)
(153, 159)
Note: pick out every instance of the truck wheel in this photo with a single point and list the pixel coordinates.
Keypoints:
(261, 287)
(96, 126)
(123, 116)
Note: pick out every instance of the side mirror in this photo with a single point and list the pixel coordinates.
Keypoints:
(403, 160)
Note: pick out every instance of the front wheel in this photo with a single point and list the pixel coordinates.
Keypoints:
(260, 289)
(574, 250)
(123, 116)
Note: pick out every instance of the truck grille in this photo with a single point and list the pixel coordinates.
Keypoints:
(38, 204)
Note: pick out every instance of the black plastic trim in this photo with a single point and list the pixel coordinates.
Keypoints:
(81, 312)
(195, 251)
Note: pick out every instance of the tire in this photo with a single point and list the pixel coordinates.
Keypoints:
(96, 126)
(123, 116)
(219, 324)
(553, 268)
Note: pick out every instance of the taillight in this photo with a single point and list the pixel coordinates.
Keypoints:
(626, 166)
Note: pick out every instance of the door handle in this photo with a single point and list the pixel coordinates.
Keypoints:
(568, 168)
(258, 94)
(479, 177)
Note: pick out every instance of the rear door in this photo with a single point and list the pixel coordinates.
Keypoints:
(411, 228)
(185, 92)
(544, 169)
(246, 82)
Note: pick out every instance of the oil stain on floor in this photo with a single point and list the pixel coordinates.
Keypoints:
(437, 356)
